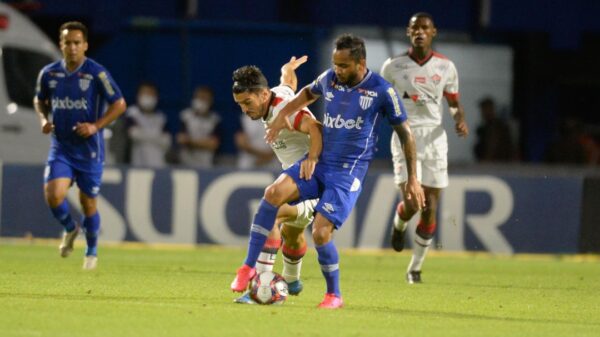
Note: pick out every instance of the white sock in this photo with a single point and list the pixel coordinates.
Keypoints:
(291, 269)
(419, 251)
(400, 224)
(265, 262)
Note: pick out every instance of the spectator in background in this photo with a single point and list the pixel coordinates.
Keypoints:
(574, 145)
(254, 152)
(200, 130)
(494, 142)
(147, 129)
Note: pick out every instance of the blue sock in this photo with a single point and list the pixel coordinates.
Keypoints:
(264, 219)
(91, 224)
(329, 261)
(62, 214)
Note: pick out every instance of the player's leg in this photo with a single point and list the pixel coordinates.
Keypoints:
(283, 190)
(424, 234)
(329, 260)
(89, 186)
(57, 180)
(268, 254)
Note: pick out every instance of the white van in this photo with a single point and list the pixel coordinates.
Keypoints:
(24, 51)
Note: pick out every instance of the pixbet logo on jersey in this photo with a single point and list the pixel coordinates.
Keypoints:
(69, 104)
(338, 122)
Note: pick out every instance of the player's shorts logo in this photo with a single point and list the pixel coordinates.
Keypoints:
(327, 207)
(365, 102)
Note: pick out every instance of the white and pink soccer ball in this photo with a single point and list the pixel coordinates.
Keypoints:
(268, 288)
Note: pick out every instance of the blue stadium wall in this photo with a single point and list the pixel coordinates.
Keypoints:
(506, 213)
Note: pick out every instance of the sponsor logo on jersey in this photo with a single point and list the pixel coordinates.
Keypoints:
(278, 145)
(365, 102)
(69, 104)
(366, 92)
(84, 84)
(104, 79)
(338, 122)
(420, 79)
(394, 97)
(56, 74)
(328, 96)
(436, 79)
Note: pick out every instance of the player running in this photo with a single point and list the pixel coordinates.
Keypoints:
(422, 77)
(356, 100)
(74, 90)
(251, 92)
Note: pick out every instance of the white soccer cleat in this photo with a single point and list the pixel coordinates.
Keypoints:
(68, 239)
(90, 262)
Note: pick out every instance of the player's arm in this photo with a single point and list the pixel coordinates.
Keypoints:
(413, 188)
(299, 102)
(288, 72)
(42, 107)
(458, 114)
(314, 129)
(116, 109)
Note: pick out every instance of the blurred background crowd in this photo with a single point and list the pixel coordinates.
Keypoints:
(174, 59)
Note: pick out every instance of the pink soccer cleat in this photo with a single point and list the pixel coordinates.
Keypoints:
(243, 277)
(331, 302)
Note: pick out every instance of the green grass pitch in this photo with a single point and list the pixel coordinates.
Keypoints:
(142, 290)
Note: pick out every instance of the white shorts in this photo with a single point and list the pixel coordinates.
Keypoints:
(306, 214)
(432, 157)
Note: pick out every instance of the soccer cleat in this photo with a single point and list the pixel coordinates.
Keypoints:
(413, 277)
(242, 279)
(331, 301)
(90, 262)
(244, 299)
(397, 235)
(294, 288)
(68, 239)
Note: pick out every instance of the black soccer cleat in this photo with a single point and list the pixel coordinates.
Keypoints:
(413, 277)
(397, 235)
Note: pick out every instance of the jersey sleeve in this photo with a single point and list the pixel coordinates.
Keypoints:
(385, 73)
(42, 91)
(393, 107)
(320, 83)
(283, 91)
(108, 87)
(451, 87)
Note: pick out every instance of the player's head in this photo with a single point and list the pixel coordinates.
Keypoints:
(421, 30)
(147, 96)
(251, 91)
(349, 59)
(203, 99)
(73, 41)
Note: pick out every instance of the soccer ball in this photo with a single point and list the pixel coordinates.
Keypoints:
(268, 288)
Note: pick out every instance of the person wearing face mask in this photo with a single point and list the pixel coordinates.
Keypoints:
(200, 130)
(147, 129)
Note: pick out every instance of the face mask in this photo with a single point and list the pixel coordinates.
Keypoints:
(147, 102)
(200, 105)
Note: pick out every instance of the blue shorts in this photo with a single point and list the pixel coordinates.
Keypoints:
(336, 189)
(87, 181)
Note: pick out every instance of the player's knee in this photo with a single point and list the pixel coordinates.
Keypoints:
(54, 199)
(321, 236)
(273, 195)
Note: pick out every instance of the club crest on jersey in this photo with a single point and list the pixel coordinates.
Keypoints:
(365, 102)
(436, 79)
(84, 84)
(52, 84)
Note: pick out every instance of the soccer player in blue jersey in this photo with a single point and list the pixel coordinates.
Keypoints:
(74, 91)
(356, 101)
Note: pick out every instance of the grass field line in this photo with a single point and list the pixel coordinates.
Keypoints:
(129, 245)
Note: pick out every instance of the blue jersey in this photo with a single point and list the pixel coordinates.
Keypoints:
(77, 97)
(353, 116)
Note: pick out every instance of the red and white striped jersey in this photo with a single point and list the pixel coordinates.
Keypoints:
(290, 146)
(421, 85)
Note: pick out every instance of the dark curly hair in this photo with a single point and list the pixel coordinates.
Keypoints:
(355, 44)
(248, 78)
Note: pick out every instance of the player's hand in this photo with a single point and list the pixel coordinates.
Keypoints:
(47, 127)
(294, 62)
(276, 126)
(85, 130)
(415, 195)
(307, 168)
(462, 129)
